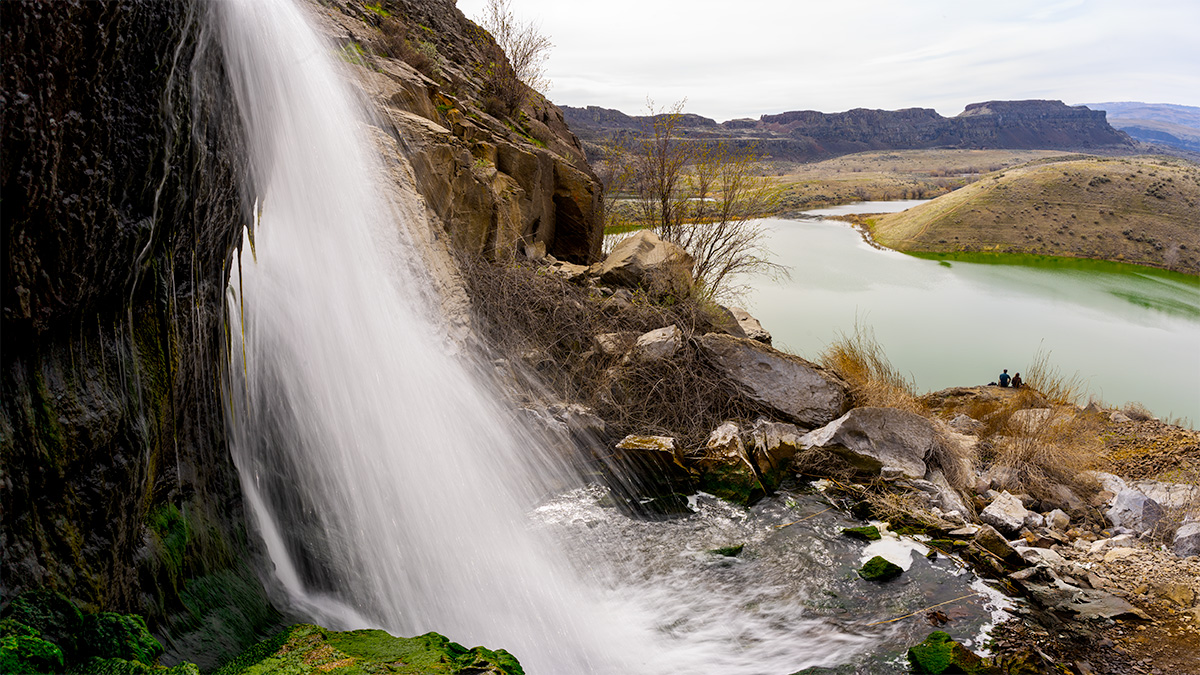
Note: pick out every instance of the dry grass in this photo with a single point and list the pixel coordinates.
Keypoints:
(860, 360)
(1042, 377)
(1045, 453)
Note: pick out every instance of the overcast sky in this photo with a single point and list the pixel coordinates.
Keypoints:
(745, 58)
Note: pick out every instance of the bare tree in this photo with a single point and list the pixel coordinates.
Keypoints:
(706, 197)
(523, 42)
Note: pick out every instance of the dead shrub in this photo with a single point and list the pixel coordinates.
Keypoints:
(528, 314)
(1042, 377)
(1137, 412)
(1044, 453)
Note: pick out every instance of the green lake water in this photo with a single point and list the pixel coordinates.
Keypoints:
(1128, 333)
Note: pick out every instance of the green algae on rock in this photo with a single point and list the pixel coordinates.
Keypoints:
(879, 569)
(866, 533)
(729, 551)
(305, 648)
(939, 653)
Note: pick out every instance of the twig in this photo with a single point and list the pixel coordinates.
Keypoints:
(877, 623)
(780, 527)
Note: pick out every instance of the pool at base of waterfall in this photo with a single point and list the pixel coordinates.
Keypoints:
(789, 600)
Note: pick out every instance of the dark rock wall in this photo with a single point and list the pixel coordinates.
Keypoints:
(120, 208)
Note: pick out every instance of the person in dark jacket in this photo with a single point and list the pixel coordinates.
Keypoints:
(1004, 378)
(1016, 381)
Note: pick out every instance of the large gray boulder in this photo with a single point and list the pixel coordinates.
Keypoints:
(878, 439)
(798, 390)
(1187, 540)
(643, 260)
(1134, 510)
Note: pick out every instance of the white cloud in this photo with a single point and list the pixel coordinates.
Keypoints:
(747, 58)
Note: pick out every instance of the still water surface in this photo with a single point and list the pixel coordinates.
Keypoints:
(1129, 334)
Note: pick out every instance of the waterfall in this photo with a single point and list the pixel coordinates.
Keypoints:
(389, 485)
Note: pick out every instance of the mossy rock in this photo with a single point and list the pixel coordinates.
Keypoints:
(109, 635)
(866, 533)
(879, 569)
(939, 653)
(99, 666)
(55, 618)
(729, 551)
(304, 649)
(22, 654)
(733, 483)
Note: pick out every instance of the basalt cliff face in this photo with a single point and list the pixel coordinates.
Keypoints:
(809, 135)
(122, 189)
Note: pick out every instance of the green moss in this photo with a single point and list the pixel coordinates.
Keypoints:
(54, 617)
(21, 654)
(172, 533)
(110, 635)
(939, 653)
(734, 483)
(378, 9)
(729, 551)
(99, 666)
(866, 533)
(12, 627)
(879, 569)
(304, 649)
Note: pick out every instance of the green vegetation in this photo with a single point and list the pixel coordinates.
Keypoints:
(879, 569)
(305, 648)
(866, 533)
(729, 551)
(378, 9)
(939, 653)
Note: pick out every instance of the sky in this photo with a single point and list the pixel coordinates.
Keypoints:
(746, 58)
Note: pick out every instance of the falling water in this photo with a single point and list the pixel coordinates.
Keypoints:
(390, 487)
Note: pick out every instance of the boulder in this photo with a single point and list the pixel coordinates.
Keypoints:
(875, 439)
(866, 533)
(658, 344)
(880, 569)
(642, 260)
(800, 391)
(1187, 540)
(1134, 510)
(772, 446)
(1005, 513)
(1168, 495)
(647, 476)
(939, 653)
(750, 325)
(1031, 419)
(725, 468)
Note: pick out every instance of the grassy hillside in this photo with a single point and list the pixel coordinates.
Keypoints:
(1143, 210)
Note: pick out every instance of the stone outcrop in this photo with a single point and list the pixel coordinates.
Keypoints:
(643, 260)
(876, 439)
(800, 391)
(657, 345)
(494, 182)
(750, 325)
(1187, 540)
(1006, 513)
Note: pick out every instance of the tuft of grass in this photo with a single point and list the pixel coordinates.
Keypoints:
(1042, 377)
(860, 360)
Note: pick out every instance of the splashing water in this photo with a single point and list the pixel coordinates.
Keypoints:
(390, 487)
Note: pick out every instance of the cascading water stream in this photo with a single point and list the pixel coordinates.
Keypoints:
(390, 486)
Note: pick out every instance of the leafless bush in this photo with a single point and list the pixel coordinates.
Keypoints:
(522, 42)
(528, 314)
(1137, 412)
(1043, 377)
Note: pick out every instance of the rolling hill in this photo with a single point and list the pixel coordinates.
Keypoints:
(1143, 210)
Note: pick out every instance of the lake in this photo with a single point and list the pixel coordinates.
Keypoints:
(1128, 333)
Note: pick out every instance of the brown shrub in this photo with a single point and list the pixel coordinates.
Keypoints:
(527, 314)
(860, 360)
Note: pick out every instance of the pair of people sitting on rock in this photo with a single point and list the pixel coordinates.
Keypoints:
(1005, 380)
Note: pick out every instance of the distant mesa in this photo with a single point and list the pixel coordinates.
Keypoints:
(1177, 126)
(806, 135)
